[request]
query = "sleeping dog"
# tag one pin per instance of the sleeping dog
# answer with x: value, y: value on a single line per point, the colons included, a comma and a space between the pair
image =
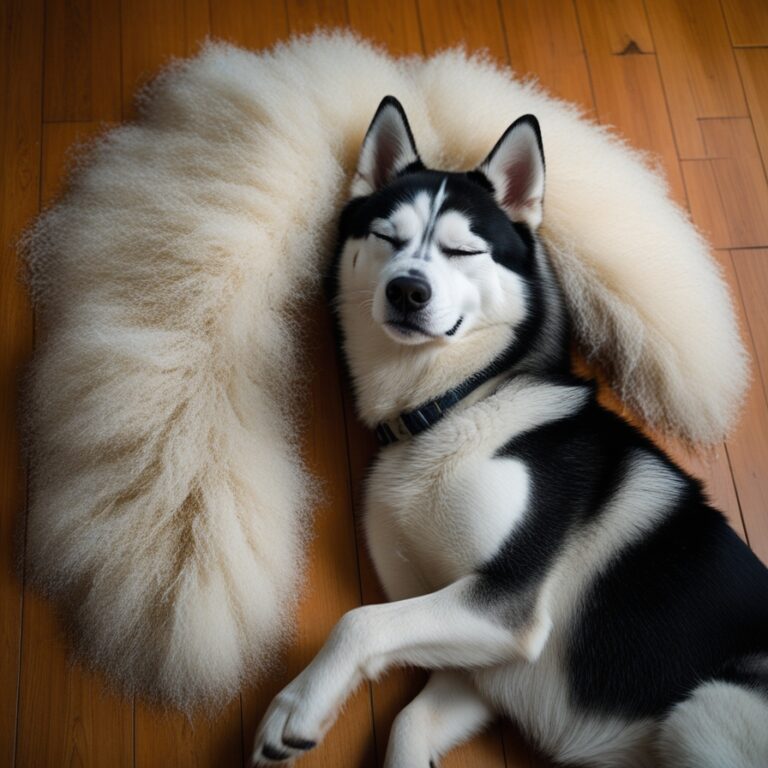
x: 544, y: 559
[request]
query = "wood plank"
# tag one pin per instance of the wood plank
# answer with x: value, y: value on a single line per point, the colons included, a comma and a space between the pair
x: 618, y: 27
x: 67, y: 715
x: 332, y: 582
x: 697, y: 67
x: 153, y: 33
x: 752, y: 273
x: 753, y: 67
x: 543, y: 40
x: 475, y: 25
x: 748, y: 446
x: 728, y: 193
x: 626, y: 82
x: 307, y: 15
x: 252, y: 25
x: 82, y: 60
x: 86, y: 723
x: 747, y: 21
x: 170, y: 740
x: 21, y: 84
x: 395, y: 24
x: 706, y: 204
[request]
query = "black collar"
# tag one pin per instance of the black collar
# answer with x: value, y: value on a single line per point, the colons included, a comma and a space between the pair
x: 411, y: 423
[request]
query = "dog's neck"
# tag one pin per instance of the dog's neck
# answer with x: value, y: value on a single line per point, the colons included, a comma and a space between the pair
x: 411, y: 423
x: 391, y: 379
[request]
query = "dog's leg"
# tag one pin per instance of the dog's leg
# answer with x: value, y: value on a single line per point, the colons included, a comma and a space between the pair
x: 454, y: 627
x: 447, y: 712
x: 719, y: 724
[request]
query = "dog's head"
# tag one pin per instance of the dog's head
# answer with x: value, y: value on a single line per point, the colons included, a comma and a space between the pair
x: 437, y: 272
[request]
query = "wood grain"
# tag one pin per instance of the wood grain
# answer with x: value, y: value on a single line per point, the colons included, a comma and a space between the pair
x: 753, y: 286
x: 697, y: 67
x: 305, y: 16
x: 753, y: 67
x: 21, y: 76
x: 747, y: 21
x: 82, y: 61
x: 626, y: 82
x: 171, y: 740
x: 617, y: 27
x: 664, y: 72
x: 476, y: 26
x: 253, y: 25
x: 153, y: 33
x: 748, y: 446
x: 727, y: 192
x: 395, y: 24
x: 84, y: 722
x: 544, y: 41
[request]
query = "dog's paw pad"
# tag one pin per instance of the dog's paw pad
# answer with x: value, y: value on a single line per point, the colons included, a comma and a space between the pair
x: 273, y: 753
x: 297, y: 743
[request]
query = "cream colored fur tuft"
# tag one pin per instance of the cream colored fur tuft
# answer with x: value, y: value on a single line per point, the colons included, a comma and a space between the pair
x: 168, y: 500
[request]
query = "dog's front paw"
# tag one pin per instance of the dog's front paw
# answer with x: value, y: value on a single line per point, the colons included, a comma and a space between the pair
x: 296, y: 721
x: 284, y: 733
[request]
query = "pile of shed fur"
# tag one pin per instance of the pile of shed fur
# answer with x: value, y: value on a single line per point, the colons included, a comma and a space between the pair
x: 169, y: 502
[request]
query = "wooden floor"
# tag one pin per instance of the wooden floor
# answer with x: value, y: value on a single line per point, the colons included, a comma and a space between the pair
x: 686, y: 80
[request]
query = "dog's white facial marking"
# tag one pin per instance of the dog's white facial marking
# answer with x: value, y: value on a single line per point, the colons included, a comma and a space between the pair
x: 426, y: 238
x: 426, y: 250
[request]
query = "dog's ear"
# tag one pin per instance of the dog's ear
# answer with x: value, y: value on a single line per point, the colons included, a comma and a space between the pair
x: 515, y: 168
x: 388, y: 148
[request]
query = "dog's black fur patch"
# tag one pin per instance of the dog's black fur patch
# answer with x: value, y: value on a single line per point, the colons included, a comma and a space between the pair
x: 675, y: 609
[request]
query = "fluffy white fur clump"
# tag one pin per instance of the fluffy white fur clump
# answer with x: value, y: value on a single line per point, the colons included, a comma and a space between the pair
x: 169, y: 502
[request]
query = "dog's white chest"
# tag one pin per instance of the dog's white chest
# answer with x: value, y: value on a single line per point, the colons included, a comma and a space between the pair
x: 432, y: 517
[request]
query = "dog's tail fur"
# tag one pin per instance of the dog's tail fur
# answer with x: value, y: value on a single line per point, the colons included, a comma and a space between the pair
x: 168, y: 498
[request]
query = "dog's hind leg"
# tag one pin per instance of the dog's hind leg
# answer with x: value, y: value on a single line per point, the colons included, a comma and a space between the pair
x: 721, y: 725
x: 458, y: 626
x: 447, y: 712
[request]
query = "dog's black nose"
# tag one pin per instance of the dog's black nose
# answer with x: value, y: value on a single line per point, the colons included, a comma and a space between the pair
x: 408, y: 294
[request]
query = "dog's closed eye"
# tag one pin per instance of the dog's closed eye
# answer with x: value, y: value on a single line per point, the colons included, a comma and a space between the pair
x: 395, y: 242
x: 460, y: 251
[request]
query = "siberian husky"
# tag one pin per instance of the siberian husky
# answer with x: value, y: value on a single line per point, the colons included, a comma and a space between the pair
x: 543, y: 557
